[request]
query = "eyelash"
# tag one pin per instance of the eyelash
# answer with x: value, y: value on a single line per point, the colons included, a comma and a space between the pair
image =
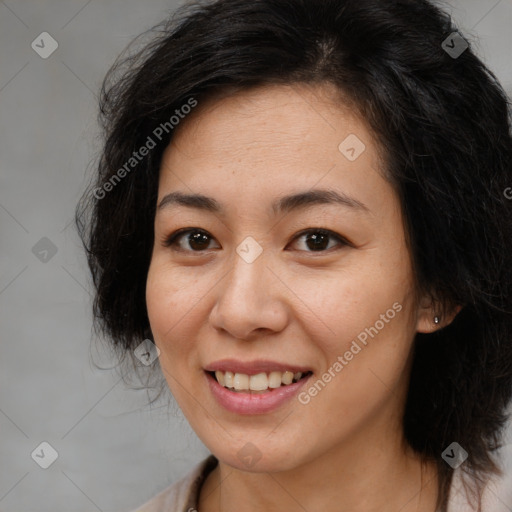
x: 171, y: 240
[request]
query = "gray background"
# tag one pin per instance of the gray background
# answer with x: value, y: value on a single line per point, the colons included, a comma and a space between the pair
x: 114, y: 451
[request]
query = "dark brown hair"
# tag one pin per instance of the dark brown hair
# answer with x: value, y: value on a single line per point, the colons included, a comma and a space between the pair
x: 444, y: 124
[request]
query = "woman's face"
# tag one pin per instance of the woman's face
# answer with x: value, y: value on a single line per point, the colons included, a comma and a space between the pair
x: 252, y: 294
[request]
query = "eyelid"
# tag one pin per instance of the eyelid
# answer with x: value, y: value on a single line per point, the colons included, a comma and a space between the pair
x: 342, y: 240
x: 169, y: 240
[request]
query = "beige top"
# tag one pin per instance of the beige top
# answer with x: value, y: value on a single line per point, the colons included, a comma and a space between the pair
x: 183, y: 495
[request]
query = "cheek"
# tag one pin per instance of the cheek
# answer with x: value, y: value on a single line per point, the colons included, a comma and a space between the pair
x: 175, y: 300
x: 341, y: 306
x: 171, y: 295
x: 369, y: 355
x: 158, y: 301
x: 167, y: 303
x: 169, y: 307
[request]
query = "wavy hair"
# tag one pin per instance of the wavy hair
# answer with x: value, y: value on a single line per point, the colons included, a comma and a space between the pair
x: 443, y: 124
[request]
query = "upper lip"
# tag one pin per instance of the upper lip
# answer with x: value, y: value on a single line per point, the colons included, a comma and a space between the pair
x: 253, y: 367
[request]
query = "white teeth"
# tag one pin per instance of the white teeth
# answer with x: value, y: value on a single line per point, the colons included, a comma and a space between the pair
x: 274, y: 380
x: 220, y: 377
x: 287, y: 378
x: 260, y: 382
x: 241, y: 381
x: 228, y: 380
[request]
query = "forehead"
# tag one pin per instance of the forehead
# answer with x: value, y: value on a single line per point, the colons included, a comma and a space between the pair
x: 293, y: 117
x: 272, y: 139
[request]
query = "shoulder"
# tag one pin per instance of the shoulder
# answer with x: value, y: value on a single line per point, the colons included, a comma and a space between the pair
x: 183, y: 494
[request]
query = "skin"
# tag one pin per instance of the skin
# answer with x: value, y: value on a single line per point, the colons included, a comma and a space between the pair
x: 344, y: 450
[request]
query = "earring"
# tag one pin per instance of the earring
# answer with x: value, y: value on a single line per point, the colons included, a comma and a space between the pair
x: 437, y: 320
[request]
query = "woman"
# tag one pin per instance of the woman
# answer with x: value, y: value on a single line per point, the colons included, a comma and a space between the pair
x: 302, y: 204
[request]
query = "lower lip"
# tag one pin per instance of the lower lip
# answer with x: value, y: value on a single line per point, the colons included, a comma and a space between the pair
x: 258, y: 403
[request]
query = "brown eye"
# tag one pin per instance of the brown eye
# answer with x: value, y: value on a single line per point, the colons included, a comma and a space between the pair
x: 317, y: 240
x: 196, y: 241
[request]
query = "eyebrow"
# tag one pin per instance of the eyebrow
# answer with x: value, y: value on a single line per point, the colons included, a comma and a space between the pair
x: 283, y: 204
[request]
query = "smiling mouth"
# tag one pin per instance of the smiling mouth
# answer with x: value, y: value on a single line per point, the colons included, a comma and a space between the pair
x: 259, y: 383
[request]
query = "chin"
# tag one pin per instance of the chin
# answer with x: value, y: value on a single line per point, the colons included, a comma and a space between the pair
x: 247, y: 457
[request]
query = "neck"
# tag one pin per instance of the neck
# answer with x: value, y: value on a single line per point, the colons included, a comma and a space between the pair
x: 348, y: 478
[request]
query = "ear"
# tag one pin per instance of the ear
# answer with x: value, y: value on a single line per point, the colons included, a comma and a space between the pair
x: 428, y: 310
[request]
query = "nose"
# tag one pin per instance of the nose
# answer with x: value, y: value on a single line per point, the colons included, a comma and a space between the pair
x: 250, y: 301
